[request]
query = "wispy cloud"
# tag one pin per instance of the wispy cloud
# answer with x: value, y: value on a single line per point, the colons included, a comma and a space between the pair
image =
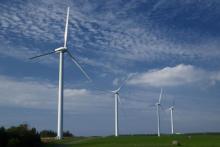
x: 175, y: 76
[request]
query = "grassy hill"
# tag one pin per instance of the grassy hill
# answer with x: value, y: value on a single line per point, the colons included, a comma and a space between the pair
x: 212, y: 140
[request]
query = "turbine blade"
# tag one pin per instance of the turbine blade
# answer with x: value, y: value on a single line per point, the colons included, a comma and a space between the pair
x: 119, y: 99
x: 162, y: 108
x: 174, y: 102
x: 151, y: 106
x: 66, y: 27
x: 121, y: 86
x: 161, y: 92
x: 78, y: 65
x: 42, y: 55
x: 167, y: 110
x: 123, y: 83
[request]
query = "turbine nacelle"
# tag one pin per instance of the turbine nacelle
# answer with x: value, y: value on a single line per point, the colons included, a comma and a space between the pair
x: 171, y: 108
x: 157, y: 104
x: 60, y: 49
x: 116, y: 91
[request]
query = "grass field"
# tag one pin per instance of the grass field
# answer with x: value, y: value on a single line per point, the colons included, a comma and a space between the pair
x: 138, y: 141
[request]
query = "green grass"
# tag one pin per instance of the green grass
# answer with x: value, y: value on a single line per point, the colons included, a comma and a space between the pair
x: 138, y: 141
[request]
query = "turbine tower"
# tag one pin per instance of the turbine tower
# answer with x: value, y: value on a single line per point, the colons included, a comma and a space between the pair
x: 158, y: 105
x: 62, y: 50
x: 171, y: 118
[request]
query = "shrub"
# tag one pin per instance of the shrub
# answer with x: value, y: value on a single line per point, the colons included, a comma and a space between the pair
x: 48, y: 133
x: 67, y: 134
x: 20, y: 136
x: 14, y: 142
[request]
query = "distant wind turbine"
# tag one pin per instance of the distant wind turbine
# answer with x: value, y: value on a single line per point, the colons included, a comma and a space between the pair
x: 171, y: 118
x: 61, y: 51
x: 158, y: 104
x: 116, y: 93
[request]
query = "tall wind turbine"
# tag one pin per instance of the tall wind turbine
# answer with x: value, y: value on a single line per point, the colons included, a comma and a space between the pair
x: 171, y: 118
x: 61, y: 51
x: 117, y: 99
x: 158, y: 112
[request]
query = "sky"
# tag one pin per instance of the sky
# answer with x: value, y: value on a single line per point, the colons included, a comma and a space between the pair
x: 146, y: 44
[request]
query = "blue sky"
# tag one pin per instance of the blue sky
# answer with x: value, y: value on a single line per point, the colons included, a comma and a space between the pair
x: 157, y: 43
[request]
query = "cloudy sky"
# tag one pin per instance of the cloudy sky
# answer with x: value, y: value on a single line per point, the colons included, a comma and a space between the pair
x: 155, y: 44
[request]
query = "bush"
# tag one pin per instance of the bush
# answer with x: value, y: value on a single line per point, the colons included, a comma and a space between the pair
x: 48, y: 133
x: 20, y: 136
x: 14, y: 142
x: 67, y: 134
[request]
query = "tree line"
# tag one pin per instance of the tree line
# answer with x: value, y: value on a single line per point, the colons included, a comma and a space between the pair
x: 25, y: 136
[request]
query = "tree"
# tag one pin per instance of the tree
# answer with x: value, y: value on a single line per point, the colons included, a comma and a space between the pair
x: 48, y: 133
x: 3, y: 137
x: 20, y: 136
x: 67, y: 134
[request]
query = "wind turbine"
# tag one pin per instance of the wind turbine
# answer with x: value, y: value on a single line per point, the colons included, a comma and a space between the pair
x: 171, y: 118
x: 116, y: 93
x: 62, y: 50
x: 158, y: 113
x: 117, y: 99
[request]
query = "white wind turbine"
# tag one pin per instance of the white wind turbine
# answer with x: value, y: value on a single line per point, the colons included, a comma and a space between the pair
x: 61, y: 51
x: 171, y: 118
x: 117, y: 99
x: 158, y: 104
x: 116, y: 93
